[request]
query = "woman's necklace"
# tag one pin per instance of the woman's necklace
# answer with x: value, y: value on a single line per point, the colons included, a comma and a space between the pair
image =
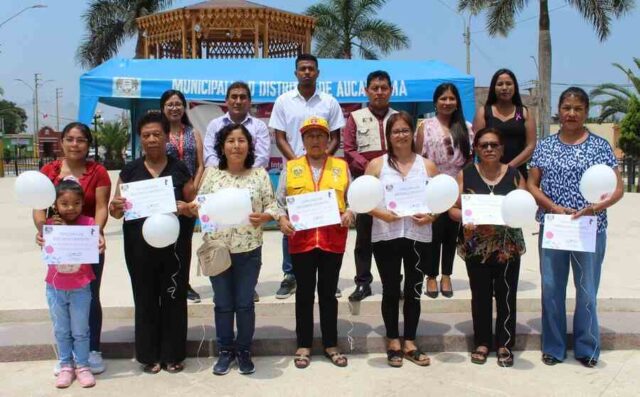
x: 487, y: 181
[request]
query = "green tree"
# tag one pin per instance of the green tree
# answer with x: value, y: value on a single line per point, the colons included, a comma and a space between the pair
x: 14, y: 117
x: 629, y: 140
x: 342, y: 25
x: 501, y: 18
x: 109, y: 23
x: 614, y: 98
x: 113, y: 136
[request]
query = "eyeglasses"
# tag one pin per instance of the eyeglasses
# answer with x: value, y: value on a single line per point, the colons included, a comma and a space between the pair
x: 403, y: 131
x: 70, y: 140
x: 487, y: 145
x: 177, y: 105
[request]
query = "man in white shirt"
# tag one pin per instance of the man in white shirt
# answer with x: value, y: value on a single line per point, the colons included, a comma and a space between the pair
x: 238, y: 101
x: 290, y: 110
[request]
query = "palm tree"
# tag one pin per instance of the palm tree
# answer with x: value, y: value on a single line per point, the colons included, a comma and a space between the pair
x: 109, y: 23
x: 616, y: 97
x: 342, y: 25
x: 501, y: 19
x: 114, y: 138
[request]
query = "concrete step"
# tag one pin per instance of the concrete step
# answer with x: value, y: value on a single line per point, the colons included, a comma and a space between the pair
x: 275, y: 335
x: 271, y: 307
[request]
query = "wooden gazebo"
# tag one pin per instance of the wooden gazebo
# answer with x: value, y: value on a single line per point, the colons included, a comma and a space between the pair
x: 225, y: 29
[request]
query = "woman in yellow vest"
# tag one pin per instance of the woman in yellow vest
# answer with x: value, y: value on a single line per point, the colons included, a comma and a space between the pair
x: 316, y: 252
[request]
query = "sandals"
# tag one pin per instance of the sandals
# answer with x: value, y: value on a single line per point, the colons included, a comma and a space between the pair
x: 174, y: 368
x: 338, y: 359
x: 505, y: 358
x: 152, y: 368
x: 301, y: 361
x: 417, y: 357
x: 394, y: 358
x: 479, y: 356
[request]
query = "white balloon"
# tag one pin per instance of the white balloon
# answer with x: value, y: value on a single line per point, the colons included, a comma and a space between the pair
x: 519, y: 209
x: 365, y: 193
x: 161, y: 230
x: 598, y: 182
x: 34, y: 190
x: 229, y: 206
x: 442, y: 193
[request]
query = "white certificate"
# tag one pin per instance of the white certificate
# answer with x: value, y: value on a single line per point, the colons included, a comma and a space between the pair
x: 208, y: 225
x: 408, y: 197
x: 150, y: 197
x: 563, y: 233
x: 482, y: 209
x: 311, y: 210
x: 70, y: 245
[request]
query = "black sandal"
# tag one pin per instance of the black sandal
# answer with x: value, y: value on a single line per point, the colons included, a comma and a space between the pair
x: 479, y: 356
x: 301, y: 361
x: 152, y: 368
x: 548, y: 359
x: 415, y: 355
x: 505, y: 358
x: 174, y: 368
x: 338, y: 359
x: 394, y: 358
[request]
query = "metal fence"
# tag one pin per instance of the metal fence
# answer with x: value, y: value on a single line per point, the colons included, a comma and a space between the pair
x: 16, y: 166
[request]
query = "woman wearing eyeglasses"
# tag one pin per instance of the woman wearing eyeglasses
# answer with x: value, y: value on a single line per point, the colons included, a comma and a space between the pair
x: 446, y: 140
x: 399, y: 241
x: 491, y: 253
x: 93, y: 177
x: 185, y: 144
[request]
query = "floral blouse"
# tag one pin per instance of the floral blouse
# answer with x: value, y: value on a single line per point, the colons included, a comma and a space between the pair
x: 438, y: 147
x: 490, y: 242
x: 243, y: 238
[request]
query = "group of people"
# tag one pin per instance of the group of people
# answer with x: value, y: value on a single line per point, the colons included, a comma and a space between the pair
x: 489, y: 156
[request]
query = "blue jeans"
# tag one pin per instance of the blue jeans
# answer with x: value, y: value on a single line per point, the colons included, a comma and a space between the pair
x: 233, y: 297
x: 69, y: 312
x: 287, y: 267
x: 554, y: 268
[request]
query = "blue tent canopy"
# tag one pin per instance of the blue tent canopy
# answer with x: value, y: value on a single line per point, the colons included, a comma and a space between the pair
x: 137, y: 84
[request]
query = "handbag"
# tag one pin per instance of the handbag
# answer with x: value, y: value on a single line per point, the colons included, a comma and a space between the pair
x: 213, y: 257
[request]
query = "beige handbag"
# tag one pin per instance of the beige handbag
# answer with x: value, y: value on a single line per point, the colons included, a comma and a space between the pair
x: 213, y: 258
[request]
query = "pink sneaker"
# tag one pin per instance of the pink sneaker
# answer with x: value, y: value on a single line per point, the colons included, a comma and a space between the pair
x: 65, y: 378
x: 85, y: 377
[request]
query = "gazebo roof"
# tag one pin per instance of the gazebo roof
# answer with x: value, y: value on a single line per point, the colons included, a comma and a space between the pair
x: 225, y: 29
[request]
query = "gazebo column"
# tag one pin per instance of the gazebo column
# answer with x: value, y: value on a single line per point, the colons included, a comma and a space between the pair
x: 265, y: 40
x: 194, y: 54
x: 256, y: 40
x: 183, y: 37
x: 307, y: 42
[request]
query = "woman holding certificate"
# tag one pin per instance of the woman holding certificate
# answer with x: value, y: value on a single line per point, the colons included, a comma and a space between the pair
x: 490, y: 251
x: 397, y: 240
x: 233, y: 288
x: 317, y: 238
x: 556, y: 169
x: 93, y: 177
x: 158, y: 278
x: 446, y: 140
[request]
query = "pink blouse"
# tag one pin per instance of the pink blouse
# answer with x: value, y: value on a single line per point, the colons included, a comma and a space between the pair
x: 438, y: 147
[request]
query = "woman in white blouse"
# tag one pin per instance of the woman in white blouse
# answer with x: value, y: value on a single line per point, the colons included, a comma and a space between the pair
x: 397, y: 240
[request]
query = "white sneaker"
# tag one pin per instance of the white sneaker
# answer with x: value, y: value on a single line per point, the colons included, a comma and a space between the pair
x: 96, y: 364
x: 56, y: 369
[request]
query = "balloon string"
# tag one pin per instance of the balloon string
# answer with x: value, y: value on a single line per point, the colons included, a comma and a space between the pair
x: 172, y: 290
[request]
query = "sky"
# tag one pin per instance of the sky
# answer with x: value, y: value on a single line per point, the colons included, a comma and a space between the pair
x: 44, y: 40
